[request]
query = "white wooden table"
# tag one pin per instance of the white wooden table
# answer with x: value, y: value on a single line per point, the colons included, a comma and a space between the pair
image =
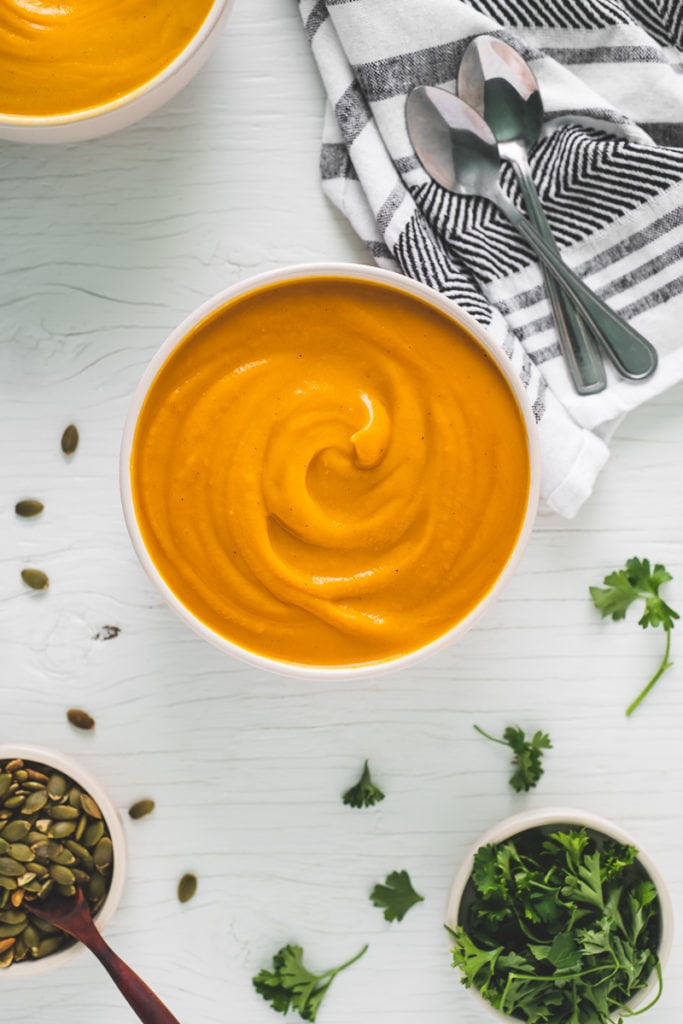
x: 105, y: 247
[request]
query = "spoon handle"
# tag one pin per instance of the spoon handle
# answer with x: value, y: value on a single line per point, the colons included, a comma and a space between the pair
x: 631, y: 353
x: 578, y: 345
x: 140, y: 997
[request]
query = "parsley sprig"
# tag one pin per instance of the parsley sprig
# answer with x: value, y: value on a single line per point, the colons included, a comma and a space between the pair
x: 560, y: 927
x: 396, y: 896
x: 365, y: 793
x: 292, y: 986
x: 528, y: 755
x: 624, y: 586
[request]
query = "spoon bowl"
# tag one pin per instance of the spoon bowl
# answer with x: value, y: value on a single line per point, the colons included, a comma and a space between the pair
x: 496, y: 81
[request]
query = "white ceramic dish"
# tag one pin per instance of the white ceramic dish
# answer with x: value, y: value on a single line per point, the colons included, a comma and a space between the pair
x: 565, y: 816
x: 67, y: 766
x: 351, y: 272
x: 122, y: 112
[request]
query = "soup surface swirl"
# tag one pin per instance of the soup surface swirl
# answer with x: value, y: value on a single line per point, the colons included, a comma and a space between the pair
x: 330, y: 472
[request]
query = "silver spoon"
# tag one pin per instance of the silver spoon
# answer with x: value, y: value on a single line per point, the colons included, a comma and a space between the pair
x: 458, y: 149
x: 499, y: 84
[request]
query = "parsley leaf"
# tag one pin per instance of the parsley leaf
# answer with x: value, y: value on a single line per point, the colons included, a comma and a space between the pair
x: 527, y: 755
x: 580, y: 962
x: 291, y: 986
x: 624, y: 586
x: 397, y: 896
x: 365, y: 793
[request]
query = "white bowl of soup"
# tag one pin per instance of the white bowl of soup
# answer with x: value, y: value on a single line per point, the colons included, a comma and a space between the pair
x: 329, y: 468
x: 72, y: 70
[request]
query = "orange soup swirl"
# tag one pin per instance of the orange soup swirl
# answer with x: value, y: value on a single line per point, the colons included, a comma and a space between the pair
x: 329, y: 472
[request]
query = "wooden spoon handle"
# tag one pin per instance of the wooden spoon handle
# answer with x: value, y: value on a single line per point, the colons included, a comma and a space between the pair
x: 146, y: 1004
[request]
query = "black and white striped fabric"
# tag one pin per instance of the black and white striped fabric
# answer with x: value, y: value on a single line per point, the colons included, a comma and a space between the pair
x: 607, y: 168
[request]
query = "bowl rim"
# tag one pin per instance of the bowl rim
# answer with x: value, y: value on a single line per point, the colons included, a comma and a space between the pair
x: 75, y: 770
x: 212, y: 21
x: 354, y: 272
x: 557, y: 815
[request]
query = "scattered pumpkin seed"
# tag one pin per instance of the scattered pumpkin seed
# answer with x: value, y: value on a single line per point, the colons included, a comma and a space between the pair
x: 141, y: 808
x: 36, y: 579
x: 80, y: 719
x: 29, y: 507
x: 70, y: 440
x: 187, y: 887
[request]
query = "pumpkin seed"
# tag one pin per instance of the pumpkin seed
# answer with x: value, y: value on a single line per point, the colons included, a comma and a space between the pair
x: 56, y: 787
x: 6, y: 944
x: 28, y: 507
x: 187, y: 887
x: 35, y: 578
x: 61, y: 875
x: 62, y: 812
x: 11, y: 868
x: 5, y: 783
x: 61, y: 829
x: 35, y: 802
x: 90, y: 807
x: 104, y: 854
x: 141, y: 808
x: 15, y: 831
x: 93, y: 834
x: 6, y: 959
x: 70, y: 440
x: 21, y: 852
x: 80, y: 719
x: 47, y: 946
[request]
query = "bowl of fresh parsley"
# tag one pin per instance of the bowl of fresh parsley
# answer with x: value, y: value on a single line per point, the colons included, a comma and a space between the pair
x: 558, y: 915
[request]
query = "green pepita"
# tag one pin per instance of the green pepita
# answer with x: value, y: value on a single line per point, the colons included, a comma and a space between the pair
x: 36, y: 579
x: 141, y: 808
x: 15, y: 831
x: 56, y: 787
x: 90, y: 807
x: 62, y: 812
x: 61, y: 875
x: 35, y: 802
x: 11, y: 868
x: 104, y: 854
x: 70, y: 440
x: 28, y: 507
x: 21, y: 852
x: 80, y: 718
x: 187, y: 887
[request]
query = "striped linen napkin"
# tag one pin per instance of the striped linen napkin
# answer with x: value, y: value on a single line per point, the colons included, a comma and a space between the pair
x: 607, y: 169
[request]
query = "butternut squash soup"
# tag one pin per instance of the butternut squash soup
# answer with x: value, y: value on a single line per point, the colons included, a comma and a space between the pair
x: 59, y: 57
x: 329, y: 471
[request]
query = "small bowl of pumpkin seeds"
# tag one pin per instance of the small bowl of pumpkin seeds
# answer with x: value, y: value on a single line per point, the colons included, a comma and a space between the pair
x: 59, y: 830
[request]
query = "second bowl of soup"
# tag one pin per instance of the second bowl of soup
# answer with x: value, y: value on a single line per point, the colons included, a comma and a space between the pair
x: 329, y: 468
x: 77, y: 70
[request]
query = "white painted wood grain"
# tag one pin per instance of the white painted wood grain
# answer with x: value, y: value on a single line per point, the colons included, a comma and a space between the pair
x: 106, y: 246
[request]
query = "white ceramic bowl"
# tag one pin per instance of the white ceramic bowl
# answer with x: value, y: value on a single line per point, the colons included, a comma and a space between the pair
x: 355, y: 273
x: 126, y: 110
x: 556, y: 816
x: 80, y: 775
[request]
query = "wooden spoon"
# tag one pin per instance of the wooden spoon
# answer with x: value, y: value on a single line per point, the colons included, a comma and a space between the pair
x: 72, y: 915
